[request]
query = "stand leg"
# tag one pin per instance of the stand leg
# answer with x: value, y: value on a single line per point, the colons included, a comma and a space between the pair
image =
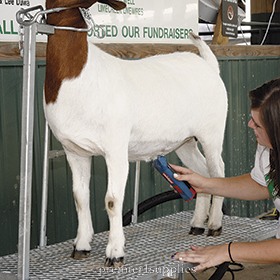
x: 43, y: 235
x: 182, y: 276
x: 136, y: 194
x: 26, y: 150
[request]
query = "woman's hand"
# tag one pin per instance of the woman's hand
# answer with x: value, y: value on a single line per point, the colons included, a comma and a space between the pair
x: 240, y: 187
x: 197, y: 181
x: 206, y: 256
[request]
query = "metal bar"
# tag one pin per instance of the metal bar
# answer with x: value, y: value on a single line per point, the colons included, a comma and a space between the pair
x: 261, y: 23
x: 26, y: 150
x: 56, y: 153
x: 136, y: 194
x: 252, y: 30
x: 183, y: 276
x: 43, y: 235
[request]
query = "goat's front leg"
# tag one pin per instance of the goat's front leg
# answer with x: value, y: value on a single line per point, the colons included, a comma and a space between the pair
x: 80, y: 167
x: 117, y: 176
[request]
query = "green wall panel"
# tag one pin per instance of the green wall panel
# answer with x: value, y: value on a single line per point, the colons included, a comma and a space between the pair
x: 10, y: 104
x: 239, y: 75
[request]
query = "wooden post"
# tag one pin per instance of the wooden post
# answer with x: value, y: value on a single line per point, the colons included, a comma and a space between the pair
x: 264, y: 7
x: 260, y: 12
x: 218, y: 38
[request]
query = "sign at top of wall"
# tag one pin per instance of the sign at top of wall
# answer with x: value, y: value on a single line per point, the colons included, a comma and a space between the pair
x: 142, y: 21
x: 229, y: 18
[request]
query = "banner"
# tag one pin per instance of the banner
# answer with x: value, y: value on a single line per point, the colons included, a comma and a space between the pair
x: 142, y: 21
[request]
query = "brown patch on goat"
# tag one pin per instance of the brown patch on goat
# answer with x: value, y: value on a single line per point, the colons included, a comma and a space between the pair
x: 110, y: 205
x: 67, y: 50
x: 65, y: 58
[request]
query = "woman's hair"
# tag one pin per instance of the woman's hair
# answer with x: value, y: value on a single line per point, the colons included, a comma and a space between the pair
x: 266, y: 99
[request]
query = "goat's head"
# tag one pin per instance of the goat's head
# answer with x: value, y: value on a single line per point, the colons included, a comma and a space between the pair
x: 115, y: 4
x: 72, y: 17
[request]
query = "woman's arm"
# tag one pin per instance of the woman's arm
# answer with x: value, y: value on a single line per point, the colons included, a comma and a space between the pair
x: 249, y: 252
x: 240, y: 187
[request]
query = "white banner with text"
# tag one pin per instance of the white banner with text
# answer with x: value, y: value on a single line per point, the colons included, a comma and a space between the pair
x: 142, y: 21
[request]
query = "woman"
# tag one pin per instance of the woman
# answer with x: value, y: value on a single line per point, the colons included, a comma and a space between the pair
x: 263, y: 182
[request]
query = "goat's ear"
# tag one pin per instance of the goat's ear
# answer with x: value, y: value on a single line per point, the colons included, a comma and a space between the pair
x: 117, y: 5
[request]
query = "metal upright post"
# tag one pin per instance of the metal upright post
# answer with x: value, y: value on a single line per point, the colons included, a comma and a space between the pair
x: 136, y: 194
x: 26, y: 150
x: 43, y: 236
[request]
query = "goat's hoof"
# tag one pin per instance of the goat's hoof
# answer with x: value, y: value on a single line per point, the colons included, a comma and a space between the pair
x: 215, y: 232
x: 79, y: 254
x: 115, y: 262
x: 196, y: 231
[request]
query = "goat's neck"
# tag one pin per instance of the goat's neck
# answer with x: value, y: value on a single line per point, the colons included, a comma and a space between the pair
x: 66, y: 52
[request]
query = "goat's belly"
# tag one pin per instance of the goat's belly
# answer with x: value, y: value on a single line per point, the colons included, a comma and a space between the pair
x: 146, y: 151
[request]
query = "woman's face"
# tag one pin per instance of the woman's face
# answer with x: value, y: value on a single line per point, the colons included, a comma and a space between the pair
x: 259, y: 130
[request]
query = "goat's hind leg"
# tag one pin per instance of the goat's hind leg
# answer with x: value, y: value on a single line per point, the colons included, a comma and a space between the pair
x: 211, y: 166
x: 80, y: 167
x: 193, y: 159
x: 212, y: 150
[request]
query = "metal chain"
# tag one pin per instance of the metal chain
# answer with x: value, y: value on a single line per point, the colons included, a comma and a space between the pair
x: 91, y: 25
x: 21, y: 34
x: 21, y: 39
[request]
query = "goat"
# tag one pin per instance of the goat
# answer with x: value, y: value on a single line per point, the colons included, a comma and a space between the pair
x: 97, y: 104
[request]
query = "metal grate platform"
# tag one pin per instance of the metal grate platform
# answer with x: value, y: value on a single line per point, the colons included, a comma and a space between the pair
x: 149, y: 246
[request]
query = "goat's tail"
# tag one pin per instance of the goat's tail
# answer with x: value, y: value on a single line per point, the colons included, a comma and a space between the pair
x: 205, y: 51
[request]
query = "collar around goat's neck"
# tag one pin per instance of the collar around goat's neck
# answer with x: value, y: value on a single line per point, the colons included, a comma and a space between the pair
x: 87, y: 17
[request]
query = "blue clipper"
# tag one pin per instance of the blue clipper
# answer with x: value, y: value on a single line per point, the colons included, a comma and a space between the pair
x: 182, y: 187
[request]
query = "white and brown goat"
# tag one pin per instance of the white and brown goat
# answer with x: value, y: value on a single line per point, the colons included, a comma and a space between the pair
x: 97, y: 104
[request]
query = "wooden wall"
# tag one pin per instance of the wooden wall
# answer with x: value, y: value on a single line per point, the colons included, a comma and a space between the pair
x: 261, y: 11
x: 10, y: 51
x: 264, y: 6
